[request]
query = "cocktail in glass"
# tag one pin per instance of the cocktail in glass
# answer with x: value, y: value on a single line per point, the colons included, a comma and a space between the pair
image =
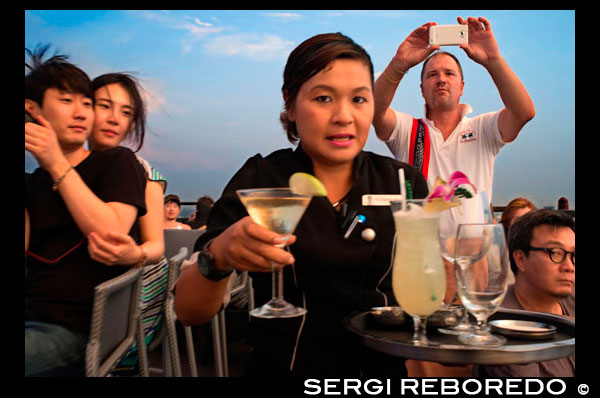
x: 418, y: 274
x: 279, y: 210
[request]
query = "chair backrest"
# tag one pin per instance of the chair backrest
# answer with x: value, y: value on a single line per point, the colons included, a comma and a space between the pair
x: 174, y: 265
x: 114, y: 320
x: 178, y: 238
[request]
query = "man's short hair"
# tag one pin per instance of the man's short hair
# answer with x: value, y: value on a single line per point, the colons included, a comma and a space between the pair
x: 521, y: 232
x: 435, y: 54
x: 55, y: 72
x: 172, y: 198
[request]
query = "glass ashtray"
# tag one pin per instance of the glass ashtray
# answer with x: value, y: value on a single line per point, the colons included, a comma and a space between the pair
x: 396, y: 316
x: 389, y: 316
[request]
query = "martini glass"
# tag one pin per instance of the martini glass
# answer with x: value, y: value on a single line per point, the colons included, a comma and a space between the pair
x: 279, y: 210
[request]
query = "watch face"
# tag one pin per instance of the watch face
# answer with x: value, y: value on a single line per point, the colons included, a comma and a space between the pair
x: 207, y: 267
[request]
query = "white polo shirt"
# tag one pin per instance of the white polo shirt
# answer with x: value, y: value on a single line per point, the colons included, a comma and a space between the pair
x: 471, y: 148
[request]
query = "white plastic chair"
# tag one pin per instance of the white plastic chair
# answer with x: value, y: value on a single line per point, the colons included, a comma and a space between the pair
x: 219, y: 328
x: 116, y: 324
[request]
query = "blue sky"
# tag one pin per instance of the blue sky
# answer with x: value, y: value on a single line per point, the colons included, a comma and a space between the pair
x: 213, y: 83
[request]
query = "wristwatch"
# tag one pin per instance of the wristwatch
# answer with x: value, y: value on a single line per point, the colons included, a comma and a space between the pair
x: 206, y: 265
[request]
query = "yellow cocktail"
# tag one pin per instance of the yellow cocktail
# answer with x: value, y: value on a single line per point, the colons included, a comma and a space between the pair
x: 418, y: 275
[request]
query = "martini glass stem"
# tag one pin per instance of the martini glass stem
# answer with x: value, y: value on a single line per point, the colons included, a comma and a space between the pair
x: 277, y: 281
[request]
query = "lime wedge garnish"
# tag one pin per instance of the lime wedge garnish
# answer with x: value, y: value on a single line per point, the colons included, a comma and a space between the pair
x: 438, y: 204
x: 306, y: 184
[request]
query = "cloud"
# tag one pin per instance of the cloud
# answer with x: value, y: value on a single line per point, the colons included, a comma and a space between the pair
x: 197, y: 28
x: 251, y: 45
x: 198, y: 22
x: 286, y: 16
x: 123, y: 39
x: 256, y: 46
x: 194, y: 27
x: 152, y: 95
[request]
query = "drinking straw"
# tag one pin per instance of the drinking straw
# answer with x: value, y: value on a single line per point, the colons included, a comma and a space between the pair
x: 402, y: 188
x: 409, y: 194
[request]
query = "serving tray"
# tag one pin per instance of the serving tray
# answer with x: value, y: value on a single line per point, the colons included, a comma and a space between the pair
x: 395, y: 340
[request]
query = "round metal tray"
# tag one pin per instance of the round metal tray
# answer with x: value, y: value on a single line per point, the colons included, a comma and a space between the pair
x: 395, y: 340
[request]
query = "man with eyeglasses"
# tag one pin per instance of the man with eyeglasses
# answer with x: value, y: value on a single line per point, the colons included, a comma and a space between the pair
x: 542, y: 257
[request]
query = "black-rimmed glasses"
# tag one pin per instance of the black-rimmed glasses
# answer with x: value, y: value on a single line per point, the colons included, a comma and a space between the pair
x: 557, y: 255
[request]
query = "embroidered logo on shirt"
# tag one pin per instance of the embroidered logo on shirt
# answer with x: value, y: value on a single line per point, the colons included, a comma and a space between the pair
x: 467, y: 136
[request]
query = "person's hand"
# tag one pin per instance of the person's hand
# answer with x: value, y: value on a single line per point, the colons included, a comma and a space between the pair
x: 482, y: 47
x: 115, y: 248
x: 247, y: 246
x: 42, y: 142
x: 415, y: 48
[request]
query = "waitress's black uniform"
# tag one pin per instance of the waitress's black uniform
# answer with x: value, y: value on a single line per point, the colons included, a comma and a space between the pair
x: 332, y: 276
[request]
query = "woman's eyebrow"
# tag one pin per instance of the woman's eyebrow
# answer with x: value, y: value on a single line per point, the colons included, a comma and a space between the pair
x: 111, y: 101
x: 330, y: 88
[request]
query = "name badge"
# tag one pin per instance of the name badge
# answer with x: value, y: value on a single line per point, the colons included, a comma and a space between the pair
x: 379, y: 200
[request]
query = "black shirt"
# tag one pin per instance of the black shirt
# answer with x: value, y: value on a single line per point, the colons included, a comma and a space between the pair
x: 62, y: 292
x: 332, y: 276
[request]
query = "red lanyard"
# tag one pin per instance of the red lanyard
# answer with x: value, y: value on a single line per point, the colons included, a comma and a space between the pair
x: 42, y: 259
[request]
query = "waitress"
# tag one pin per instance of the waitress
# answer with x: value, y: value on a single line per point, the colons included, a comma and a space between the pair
x: 329, y: 106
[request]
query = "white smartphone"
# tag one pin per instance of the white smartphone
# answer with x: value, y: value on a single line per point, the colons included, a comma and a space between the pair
x: 448, y: 35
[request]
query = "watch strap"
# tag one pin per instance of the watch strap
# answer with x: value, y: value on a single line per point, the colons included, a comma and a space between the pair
x: 206, y: 265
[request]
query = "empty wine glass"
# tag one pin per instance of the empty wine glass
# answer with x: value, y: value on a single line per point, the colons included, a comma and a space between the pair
x: 481, y: 277
x: 471, y: 210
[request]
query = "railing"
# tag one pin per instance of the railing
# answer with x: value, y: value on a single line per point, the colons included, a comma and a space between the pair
x: 500, y: 209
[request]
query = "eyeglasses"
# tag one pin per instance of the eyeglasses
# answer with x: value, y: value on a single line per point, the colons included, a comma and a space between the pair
x: 556, y: 254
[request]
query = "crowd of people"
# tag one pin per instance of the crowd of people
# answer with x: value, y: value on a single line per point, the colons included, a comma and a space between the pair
x: 93, y: 213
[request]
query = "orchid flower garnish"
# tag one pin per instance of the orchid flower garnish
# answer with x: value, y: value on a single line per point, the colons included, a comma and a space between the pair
x: 457, y: 186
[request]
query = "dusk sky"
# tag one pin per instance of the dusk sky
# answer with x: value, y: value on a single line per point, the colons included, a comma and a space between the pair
x: 213, y: 83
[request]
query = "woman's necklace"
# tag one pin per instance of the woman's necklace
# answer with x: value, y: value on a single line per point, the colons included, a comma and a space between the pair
x: 336, y: 204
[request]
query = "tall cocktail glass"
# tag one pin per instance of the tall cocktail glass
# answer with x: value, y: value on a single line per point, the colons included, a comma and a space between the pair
x: 418, y: 275
x: 279, y: 210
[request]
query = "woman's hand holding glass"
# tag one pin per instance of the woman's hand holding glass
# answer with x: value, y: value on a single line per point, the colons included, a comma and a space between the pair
x: 246, y: 246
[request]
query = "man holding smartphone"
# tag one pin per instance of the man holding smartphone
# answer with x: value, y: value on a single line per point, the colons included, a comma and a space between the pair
x: 446, y: 140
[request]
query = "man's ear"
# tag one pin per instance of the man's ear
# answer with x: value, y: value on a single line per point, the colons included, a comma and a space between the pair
x: 32, y: 107
x: 520, y: 259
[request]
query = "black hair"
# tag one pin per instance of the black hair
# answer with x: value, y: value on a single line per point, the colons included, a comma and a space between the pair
x: 521, y: 232
x: 131, y: 85
x: 55, y: 72
x: 308, y: 59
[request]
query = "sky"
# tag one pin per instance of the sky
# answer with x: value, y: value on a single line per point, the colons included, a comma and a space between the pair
x: 212, y: 81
